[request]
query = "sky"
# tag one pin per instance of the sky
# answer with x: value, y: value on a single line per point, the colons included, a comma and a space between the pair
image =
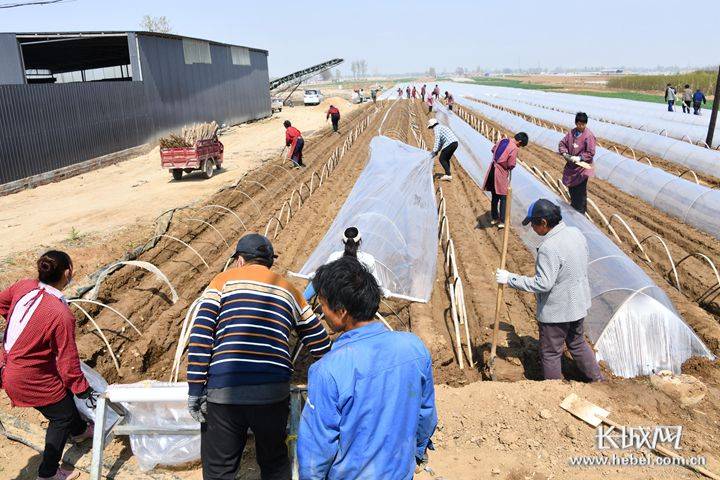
x: 412, y: 36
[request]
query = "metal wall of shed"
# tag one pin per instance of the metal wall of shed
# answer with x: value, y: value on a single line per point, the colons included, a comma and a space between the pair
x: 44, y: 127
x: 11, y: 68
x: 219, y: 91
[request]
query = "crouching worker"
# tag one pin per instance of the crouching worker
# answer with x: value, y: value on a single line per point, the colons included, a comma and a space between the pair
x: 562, y: 290
x: 370, y: 410
x: 39, y: 363
x: 239, y: 363
x: 351, y: 241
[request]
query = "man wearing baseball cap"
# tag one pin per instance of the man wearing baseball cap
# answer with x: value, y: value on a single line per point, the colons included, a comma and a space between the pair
x: 561, y: 288
x: 239, y: 362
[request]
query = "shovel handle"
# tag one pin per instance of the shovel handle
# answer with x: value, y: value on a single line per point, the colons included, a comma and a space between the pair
x: 501, y: 288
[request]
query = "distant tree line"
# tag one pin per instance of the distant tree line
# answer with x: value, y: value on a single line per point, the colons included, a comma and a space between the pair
x: 703, y: 79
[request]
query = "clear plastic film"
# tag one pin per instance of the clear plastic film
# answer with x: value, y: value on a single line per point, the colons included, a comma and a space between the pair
x: 637, y: 115
x: 632, y: 323
x: 393, y: 206
x: 163, y: 406
x: 98, y: 383
x: 686, y: 155
x: 694, y: 204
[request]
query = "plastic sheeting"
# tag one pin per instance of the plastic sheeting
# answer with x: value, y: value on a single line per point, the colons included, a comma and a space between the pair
x: 694, y: 204
x: 633, y: 324
x: 638, y: 115
x: 692, y: 157
x: 393, y: 206
x: 98, y: 383
x: 165, y: 406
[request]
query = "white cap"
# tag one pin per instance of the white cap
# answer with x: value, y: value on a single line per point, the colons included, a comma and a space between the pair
x: 432, y: 122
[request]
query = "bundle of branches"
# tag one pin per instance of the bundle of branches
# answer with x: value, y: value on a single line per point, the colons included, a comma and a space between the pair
x: 189, y: 136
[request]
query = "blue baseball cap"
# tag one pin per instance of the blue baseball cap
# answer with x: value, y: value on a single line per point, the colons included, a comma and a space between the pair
x: 541, y: 208
x: 254, y: 245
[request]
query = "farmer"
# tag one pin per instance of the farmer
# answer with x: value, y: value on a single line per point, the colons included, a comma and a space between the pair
x: 698, y: 100
x: 561, y: 288
x: 670, y: 97
x: 450, y: 101
x: 370, y: 410
x: 351, y: 242
x: 373, y: 94
x: 429, y: 102
x: 436, y: 92
x: 497, y: 179
x: 334, y: 114
x: 414, y: 92
x: 399, y: 90
x: 294, y: 140
x: 445, y: 144
x: 239, y: 363
x: 39, y: 363
x: 577, y: 146
x: 407, y: 91
x: 687, y: 98
x: 423, y: 91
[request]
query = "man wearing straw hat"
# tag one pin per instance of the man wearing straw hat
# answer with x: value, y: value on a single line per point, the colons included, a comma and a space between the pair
x: 561, y: 288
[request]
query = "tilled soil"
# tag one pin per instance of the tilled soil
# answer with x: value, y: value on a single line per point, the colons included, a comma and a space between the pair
x: 698, y: 301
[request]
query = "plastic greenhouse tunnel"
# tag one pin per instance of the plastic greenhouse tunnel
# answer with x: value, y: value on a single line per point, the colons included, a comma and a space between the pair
x: 684, y: 154
x: 634, y: 326
x: 637, y: 115
x: 393, y: 206
x: 694, y: 204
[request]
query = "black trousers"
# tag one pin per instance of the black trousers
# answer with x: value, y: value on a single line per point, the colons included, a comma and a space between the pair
x: 335, y: 119
x: 64, y: 421
x: 498, y: 201
x: 578, y: 196
x: 224, y: 433
x: 445, y: 156
x: 686, y: 106
x: 429, y: 108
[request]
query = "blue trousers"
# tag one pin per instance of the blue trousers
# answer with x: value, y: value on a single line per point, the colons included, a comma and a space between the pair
x: 670, y: 105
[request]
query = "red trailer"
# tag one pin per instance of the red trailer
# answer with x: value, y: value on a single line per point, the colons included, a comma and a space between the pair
x: 206, y: 155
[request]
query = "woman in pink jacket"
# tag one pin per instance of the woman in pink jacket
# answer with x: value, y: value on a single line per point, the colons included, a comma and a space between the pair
x: 576, y: 147
x: 497, y: 178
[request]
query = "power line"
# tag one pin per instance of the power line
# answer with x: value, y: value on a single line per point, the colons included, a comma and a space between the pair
x: 31, y: 3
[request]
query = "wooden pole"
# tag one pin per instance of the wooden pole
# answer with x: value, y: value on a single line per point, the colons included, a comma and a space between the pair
x: 500, y: 289
x: 714, y: 112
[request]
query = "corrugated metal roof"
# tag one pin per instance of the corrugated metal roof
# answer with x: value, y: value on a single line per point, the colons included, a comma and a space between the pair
x: 125, y: 32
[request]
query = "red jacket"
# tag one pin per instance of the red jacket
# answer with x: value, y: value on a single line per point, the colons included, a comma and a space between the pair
x: 291, y: 136
x: 43, y: 364
x: 503, y: 161
x: 332, y: 111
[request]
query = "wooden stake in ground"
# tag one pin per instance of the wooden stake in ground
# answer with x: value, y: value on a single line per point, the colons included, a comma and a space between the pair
x: 595, y: 416
x: 500, y: 288
x: 714, y: 112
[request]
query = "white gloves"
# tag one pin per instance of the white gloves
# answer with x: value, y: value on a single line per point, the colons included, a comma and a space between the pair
x: 502, y: 276
x: 571, y: 158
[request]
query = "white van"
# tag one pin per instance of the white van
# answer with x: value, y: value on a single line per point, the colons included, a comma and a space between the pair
x: 312, y: 97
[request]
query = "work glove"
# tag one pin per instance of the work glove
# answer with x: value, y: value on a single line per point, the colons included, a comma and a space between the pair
x: 88, y: 396
x: 567, y: 157
x: 575, y: 158
x: 197, y: 406
x: 502, y: 276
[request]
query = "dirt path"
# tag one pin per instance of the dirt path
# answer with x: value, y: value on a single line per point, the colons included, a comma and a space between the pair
x: 696, y: 278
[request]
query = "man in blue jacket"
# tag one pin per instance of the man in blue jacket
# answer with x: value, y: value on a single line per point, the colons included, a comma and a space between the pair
x: 698, y: 101
x: 370, y: 411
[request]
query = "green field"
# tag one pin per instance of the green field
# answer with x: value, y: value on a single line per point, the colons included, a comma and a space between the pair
x: 511, y: 83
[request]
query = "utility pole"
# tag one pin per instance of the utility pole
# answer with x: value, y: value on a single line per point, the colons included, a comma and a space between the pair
x: 714, y: 113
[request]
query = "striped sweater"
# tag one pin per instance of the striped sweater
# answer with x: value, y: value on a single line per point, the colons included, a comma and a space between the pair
x: 241, y: 333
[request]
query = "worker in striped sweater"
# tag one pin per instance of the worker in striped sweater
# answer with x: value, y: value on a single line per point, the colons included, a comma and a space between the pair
x: 239, y: 363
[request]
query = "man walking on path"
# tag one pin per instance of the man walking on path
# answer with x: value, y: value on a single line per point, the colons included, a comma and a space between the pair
x: 370, y: 410
x: 562, y: 290
x: 445, y: 143
x: 294, y: 140
x: 239, y: 363
x: 687, y: 98
x: 407, y: 92
x: 698, y: 100
x: 670, y: 97
x: 578, y: 150
x: 429, y: 102
x: 334, y: 114
x: 423, y: 90
x: 436, y: 92
x: 497, y: 178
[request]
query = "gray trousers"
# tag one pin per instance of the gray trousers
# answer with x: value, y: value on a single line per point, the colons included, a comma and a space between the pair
x: 553, y: 337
